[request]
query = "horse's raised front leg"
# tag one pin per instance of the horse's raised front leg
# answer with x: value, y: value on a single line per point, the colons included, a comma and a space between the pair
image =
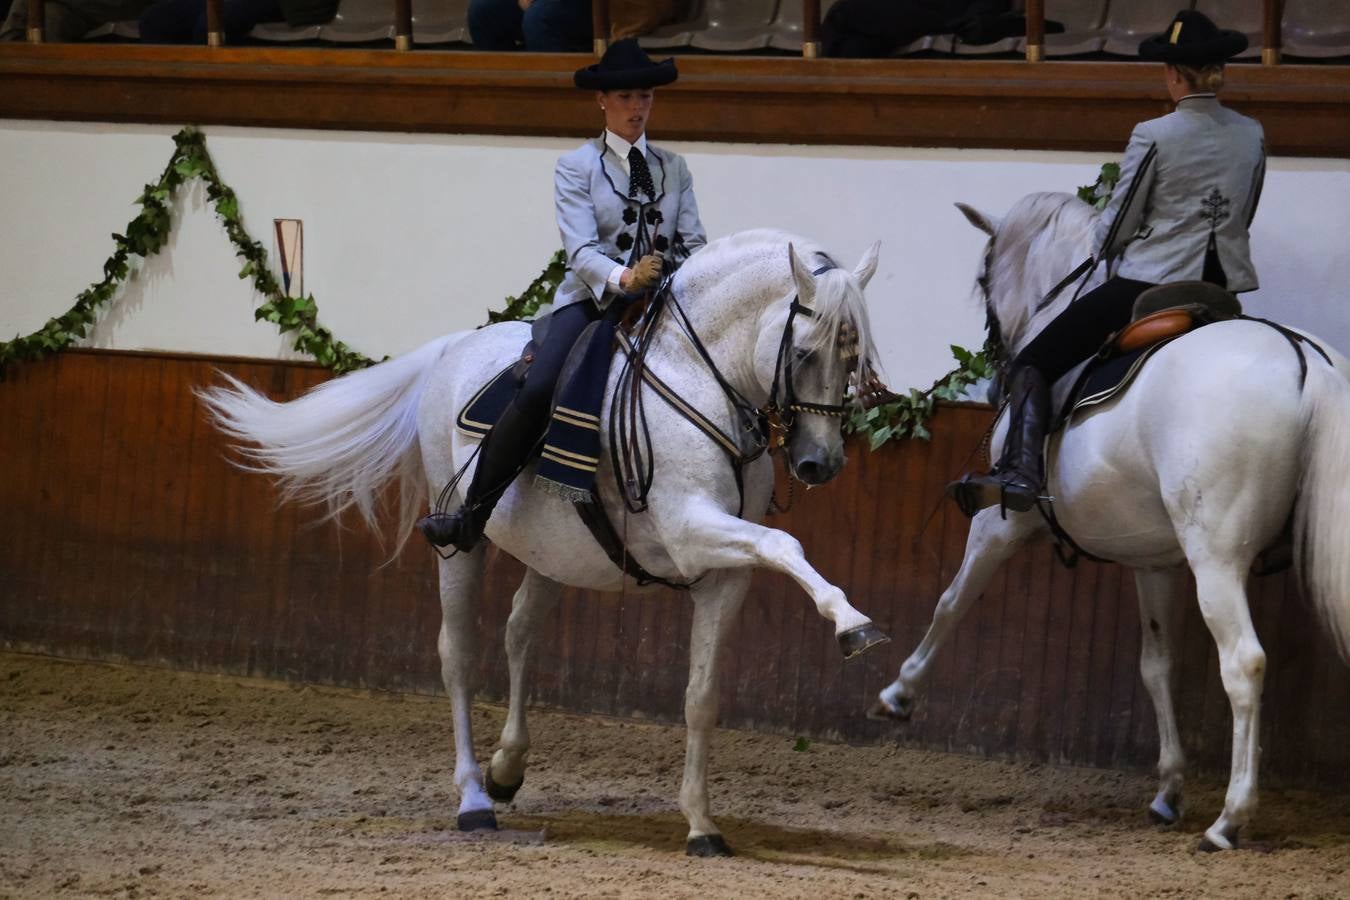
x: 1157, y: 622
x: 713, y: 539
x: 535, y: 599
x: 461, y: 577
x: 717, y: 600
x: 1221, y: 589
x: 991, y: 541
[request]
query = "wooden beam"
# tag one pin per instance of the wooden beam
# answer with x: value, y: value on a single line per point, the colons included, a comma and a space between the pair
x: 600, y: 25
x: 1272, y: 39
x: 37, y: 20
x: 810, y: 27
x: 908, y: 103
x: 403, y: 29
x: 1035, y: 14
x: 215, y: 23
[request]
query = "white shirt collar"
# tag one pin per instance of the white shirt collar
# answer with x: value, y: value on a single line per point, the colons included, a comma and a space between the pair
x: 1200, y: 95
x: 621, y: 147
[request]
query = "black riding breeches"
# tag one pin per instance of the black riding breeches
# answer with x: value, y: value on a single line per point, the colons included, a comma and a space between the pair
x: 565, y: 326
x: 1080, y: 330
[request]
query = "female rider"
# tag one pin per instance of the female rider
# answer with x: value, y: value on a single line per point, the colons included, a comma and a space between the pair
x: 628, y: 216
x: 1189, y: 185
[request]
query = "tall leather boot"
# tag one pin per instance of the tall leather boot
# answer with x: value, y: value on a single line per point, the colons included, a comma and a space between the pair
x: 1017, y: 480
x: 505, y: 451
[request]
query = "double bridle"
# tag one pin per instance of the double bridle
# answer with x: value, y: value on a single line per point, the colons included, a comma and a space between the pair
x: 767, y: 427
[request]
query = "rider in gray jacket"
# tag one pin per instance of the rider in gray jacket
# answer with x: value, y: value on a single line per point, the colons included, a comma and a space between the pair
x: 1188, y: 191
x: 627, y: 215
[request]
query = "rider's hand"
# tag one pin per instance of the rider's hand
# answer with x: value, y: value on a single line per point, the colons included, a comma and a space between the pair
x: 646, y: 274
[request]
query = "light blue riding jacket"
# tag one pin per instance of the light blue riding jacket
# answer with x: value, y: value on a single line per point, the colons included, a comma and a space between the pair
x: 1186, y: 176
x: 602, y: 226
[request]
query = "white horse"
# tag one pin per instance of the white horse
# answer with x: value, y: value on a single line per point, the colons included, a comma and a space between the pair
x: 343, y: 442
x: 1201, y: 462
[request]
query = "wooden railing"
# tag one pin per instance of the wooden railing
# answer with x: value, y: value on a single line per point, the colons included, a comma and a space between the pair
x: 600, y: 21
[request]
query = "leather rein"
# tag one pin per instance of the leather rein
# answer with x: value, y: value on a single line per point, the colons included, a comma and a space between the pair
x: 767, y: 427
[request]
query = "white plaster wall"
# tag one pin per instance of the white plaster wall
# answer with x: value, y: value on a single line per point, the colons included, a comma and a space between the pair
x: 409, y: 236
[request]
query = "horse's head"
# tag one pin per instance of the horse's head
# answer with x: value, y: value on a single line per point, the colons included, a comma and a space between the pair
x: 1029, y: 251
x: 825, y: 340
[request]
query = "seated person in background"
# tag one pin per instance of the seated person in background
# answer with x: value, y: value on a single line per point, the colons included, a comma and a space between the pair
x: 544, y: 26
x: 876, y: 28
x: 184, y: 21
x: 69, y: 20
x: 634, y: 18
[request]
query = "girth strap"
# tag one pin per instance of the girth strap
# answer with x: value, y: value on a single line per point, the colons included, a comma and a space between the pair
x: 602, y: 529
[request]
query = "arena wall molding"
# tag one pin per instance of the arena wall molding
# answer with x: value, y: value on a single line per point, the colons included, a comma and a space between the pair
x: 901, y: 102
x: 127, y: 536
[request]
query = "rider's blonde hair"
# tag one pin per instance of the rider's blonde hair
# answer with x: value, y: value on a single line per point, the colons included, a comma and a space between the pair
x: 1203, y: 78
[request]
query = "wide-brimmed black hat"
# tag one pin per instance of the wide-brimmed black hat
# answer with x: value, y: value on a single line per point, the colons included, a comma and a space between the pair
x: 625, y: 66
x: 1193, y: 40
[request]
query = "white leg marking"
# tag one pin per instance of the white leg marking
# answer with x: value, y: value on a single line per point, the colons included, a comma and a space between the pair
x: 1157, y: 622
x: 1221, y: 589
x: 535, y: 599
x: 991, y: 542
x: 717, y: 600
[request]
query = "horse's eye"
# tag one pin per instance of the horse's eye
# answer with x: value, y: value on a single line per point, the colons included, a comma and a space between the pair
x: 802, y: 354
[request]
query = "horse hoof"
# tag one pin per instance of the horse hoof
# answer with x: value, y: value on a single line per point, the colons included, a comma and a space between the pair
x: 707, y: 845
x: 477, y: 820
x: 861, y: 639
x: 1212, y: 843
x: 502, y: 793
x: 884, y: 712
x: 1160, y: 812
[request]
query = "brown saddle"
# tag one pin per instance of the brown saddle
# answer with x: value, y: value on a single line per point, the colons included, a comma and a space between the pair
x: 1169, y: 310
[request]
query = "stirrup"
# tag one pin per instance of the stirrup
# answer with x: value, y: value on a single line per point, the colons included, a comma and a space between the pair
x: 444, y: 529
x: 973, y: 494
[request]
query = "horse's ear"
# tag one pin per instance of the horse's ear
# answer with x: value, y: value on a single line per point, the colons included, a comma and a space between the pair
x: 983, y: 221
x: 806, y: 282
x: 867, y: 266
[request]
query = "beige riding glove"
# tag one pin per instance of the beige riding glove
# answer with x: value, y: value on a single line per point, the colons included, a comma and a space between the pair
x: 646, y: 274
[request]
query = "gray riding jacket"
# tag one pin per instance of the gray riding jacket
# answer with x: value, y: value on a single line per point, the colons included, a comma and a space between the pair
x: 1187, y: 178
x: 602, y: 226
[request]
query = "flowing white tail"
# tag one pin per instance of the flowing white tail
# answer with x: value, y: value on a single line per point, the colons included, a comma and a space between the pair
x: 1322, y: 521
x: 343, y: 442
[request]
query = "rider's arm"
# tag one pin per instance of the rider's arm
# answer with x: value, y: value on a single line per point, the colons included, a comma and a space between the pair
x: 1258, y: 182
x: 688, y: 228
x: 1124, y: 213
x: 580, y: 237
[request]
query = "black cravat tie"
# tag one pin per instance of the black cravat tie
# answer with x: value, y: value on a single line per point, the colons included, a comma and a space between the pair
x: 639, y: 175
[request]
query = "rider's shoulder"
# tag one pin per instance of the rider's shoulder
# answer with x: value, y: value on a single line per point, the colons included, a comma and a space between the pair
x: 582, y: 157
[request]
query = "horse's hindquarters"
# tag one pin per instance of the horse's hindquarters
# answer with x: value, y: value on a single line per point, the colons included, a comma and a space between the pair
x: 1206, y: 438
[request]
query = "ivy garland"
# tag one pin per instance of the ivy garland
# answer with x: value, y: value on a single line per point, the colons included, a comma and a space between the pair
x: 908, y: 414
x: 904, y: 417
x: 149, y: 231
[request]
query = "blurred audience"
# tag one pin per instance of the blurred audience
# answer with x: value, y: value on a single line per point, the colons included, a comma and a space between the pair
x: 877, y: 28
x: 544, y: 26
x: 69, y: 20
x: 184, y: 21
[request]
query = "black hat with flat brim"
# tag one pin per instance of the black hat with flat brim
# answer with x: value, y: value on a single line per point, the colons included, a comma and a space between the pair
x: 625, y: 67
x: 1193, y: 40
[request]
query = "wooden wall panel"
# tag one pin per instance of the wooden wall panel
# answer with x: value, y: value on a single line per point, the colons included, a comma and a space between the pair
x: 127, y: 535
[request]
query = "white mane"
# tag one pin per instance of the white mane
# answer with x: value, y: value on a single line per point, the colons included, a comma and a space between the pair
x: 762, y: 253
x: 1038, y: 243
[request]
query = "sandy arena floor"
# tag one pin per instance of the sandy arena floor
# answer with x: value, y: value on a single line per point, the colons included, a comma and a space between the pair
x: 134, y: 782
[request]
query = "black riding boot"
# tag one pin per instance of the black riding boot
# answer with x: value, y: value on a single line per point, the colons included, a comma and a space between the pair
x: 504, y: 452
x: 1018, y: 479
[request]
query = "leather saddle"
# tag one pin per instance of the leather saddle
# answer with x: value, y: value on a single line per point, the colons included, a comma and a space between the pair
x: 1161, y: 314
